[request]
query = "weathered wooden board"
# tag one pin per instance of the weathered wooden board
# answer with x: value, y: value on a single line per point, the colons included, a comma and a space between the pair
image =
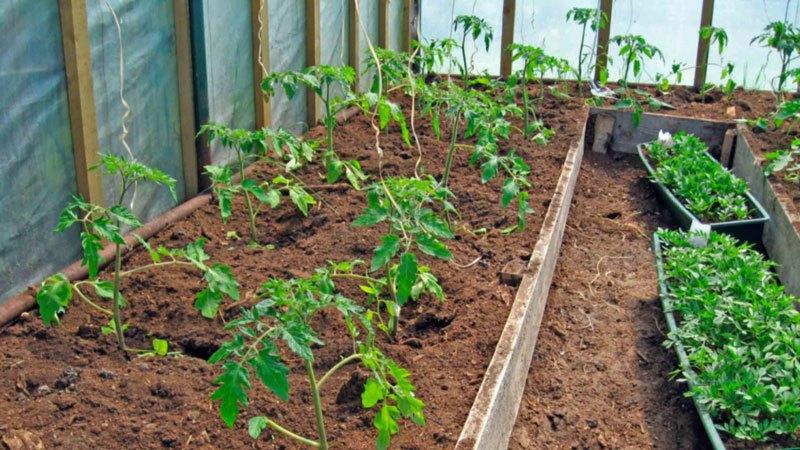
x: 494, y: 411
x: 625, y: 136
x: 780, y: 237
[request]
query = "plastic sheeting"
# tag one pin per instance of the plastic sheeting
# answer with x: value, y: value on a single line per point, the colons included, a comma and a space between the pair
x: 394, y: 23
x: 228, y: 67
x: 151, y: 90
x: 287, y: 51
x: 36, y: 164
x: 369, y: 15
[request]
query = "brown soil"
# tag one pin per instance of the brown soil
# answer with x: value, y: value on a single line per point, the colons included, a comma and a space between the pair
x: 70, y: 388
x: 599, y: 376
x: 788, y: 193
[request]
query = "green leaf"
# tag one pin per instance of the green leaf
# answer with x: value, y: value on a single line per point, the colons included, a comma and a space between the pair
x: 370, y: 217
x: 227, y: 349
x: 489, y: 169
x: 386, y: 424
x: 301, y: 198
x: 207, y: 302
x: 435, y: 225
x: 104, y: 288
x: 272, y: 373
x: 125, y: 216
x: 92, y: 246
x: 373, y: 393
x: 53, y: 298
x: 160, y: 347
x: 335, y: 169
x: 296, y: 338
x: 220, y: 279
x: 385, y: 252
x: 256, y: 426
x: 510, y: 191
x: 406, y: 276
x: 232, y: 391
x: 433, y: 247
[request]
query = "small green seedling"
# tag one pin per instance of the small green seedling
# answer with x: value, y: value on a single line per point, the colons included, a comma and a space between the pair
x: 784, y: 38
x: 475, y: 27
x: 432, y: 53
x: 407, y: 205
x: 323, y: 81
x: 594, y: 19
x: 100, y: 224
x: 285, y: 315
x: 534, y: 61
x: 288, y: 152
x: 634, y: 50
x: 785, y: 161
x: 720, y: 37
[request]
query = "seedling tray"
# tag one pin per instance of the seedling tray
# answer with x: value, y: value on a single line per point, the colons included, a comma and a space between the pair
x: 683, y: 358
x: 748, y: 230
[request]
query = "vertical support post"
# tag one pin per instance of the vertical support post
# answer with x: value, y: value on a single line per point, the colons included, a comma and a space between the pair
x: 507, y: 38
x: 354, y: 50
x: 603, y: 35
x: 183, y: 52
x: 701, y: 63
x: 312, y: 56
x: 259, y: 13
x: 407, y: 26
x: 383, y: 23
x: 80, y: 95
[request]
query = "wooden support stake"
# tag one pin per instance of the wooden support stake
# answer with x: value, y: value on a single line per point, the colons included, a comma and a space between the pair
x: 726, y: 151
x: 603, y: 35
x: 383, y: 23
x: 509, y: 14
x: 312, y: 57
x: 701, y: 63
x: 183, y: 52
x: 352, y: 42
x: 80, y: 95
x: 408, y: 28
x: 259, y: 13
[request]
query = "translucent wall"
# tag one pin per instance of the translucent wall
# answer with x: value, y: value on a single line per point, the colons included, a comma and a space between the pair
x: 335, y: 29
x: 755, y: 67
x: 369, y: 15
x: 151, y: 90
x: 227, y: 78
x: 287, y: 51
x: 437, y: 23
x: 36, y: 164
x: 395, y: 20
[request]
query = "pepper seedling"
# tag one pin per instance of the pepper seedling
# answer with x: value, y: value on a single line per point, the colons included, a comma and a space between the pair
x: 100, y: 224
x: 323, y: 81
x: 285, y: 314
x: 288, y: 152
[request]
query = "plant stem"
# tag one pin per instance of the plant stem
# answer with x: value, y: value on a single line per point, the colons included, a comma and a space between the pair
x: 86, y: 299
x: 449, y: 161
x: 580, y: 59
x: 525, y: 101
x: 250, y: 213
x: 356, y: 276
x: 115, y: 311
x: 336, y: 367
x: 465, y: 74
x: 323, y: 439
x: 275, y: 426
x: 126, y: 273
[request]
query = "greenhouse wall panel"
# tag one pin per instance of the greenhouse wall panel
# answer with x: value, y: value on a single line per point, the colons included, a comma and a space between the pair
x: 37, y: 172
x: 287, y: 49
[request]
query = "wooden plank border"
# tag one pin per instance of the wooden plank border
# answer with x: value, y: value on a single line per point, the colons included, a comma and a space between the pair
x: 603, y: 36
x: 701, y: 62
x: 493, y: 414
x: 80, y: 96
x: 507, y: 37
x: 312, y: 57
x: 183, y: 54
x: 259, y: 13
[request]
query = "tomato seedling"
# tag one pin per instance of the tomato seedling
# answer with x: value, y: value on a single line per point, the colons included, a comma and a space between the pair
x: 784, y: 38
x: 99, y: 225
x: 596, y: 20
x: 285, y: 314
x: 475, y: 27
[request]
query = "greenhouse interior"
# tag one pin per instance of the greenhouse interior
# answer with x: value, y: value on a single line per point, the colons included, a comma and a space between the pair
x: 409, y: 224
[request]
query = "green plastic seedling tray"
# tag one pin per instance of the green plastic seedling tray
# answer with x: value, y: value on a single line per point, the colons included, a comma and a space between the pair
x: 748, y: 230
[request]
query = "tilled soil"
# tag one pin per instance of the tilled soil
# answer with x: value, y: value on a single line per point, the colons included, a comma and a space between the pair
x: 599, y: 376
x: 68, y: 387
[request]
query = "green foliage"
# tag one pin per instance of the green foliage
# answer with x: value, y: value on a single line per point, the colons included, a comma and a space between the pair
x: 785, y: 161
x: 634, y: 49
x: 388, y: 112
x: 285, y: 314
x: 286, y: 151
x: 707, y: 189
x: 741, y: 333
x: 474, y: 27
x: 784, y: 38
x: 535, y: 64
x: 394, y: 68
x: 718, y: 36
x: 324, y: 81
x: 595, y: 19
x: 431, y: 53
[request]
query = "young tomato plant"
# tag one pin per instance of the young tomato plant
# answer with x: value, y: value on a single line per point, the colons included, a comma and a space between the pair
x: 785, y: 161
x: 285, y: 314
x: 323, y: 81
x: 475, y: 27
x: 717, y: 35
x: 634, y: 49
x: 432, y: 53
x: 288, y: 152
x: 594, y: 19
x: 100, y: 224
x: 532, y: 58
x: 784, y: 38
x: 407, y: 205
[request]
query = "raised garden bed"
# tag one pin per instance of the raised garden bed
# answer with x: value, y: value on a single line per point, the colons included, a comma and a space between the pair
x: 56, y: 379
x: 748, y: 229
